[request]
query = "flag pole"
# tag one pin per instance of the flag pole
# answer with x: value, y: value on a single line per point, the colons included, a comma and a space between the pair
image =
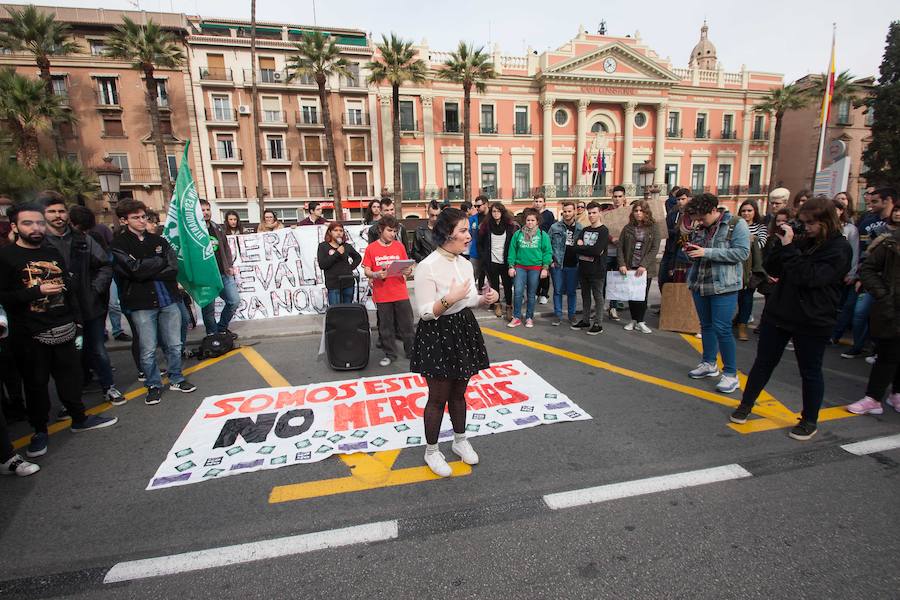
x: 826, y: 102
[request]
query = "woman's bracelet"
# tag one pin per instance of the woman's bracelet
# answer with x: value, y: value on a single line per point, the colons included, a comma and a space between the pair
x: 444, y: 303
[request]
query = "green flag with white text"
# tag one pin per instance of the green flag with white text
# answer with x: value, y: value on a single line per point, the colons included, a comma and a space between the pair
x: 198, y: 272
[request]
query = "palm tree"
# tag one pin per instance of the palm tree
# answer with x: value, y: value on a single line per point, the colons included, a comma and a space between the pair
x: 398, y: 65
x: 319, y: 57
x: 27, y: 109
x: 16, y: 181
x: 148, y: 48
x: 30, y: 30
x: 470, y: 67
x: 68, y: 178
x: 779, y: 101
x: 845, y: 88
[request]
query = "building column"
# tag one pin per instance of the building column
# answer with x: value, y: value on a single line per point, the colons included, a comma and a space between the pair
x: 387, y: 141
x: 628, y: 146
x: 547, y: 142
x: 581, y: 141
x: 428, y: 123
x: 659, y: 149
x: 745, y: 147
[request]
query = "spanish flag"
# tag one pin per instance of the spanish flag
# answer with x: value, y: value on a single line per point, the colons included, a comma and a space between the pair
x: 826, y: 102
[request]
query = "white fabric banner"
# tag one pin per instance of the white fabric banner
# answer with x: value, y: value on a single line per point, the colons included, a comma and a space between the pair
x: 626, y: 287
x: 275, y: 427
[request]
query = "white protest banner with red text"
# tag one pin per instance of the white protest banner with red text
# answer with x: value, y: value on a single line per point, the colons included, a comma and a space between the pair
x: 275, y: 427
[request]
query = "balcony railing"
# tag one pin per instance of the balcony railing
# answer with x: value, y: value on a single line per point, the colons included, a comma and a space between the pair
x: 274, y: 117
x: 280, y: 191
x: 522, y: 130
x: 675, y: 133
x: 62, y: 98
x: 451, y: 193
x: 358, y: 155
x: 701, y: 134
x: 140, y: 175
x: 312, y: 155
x: 409, y: 126
x: 283, y: 155
x: 488, y: 128
x: 225, y: 153
x: 221, y: 115
x: 106, y: 99
x: 492, y: 192
x: 452, y: 127
x: 353, y: 83
x: 759, y: 136
x: 360, y: 191
x: 231, y: 191
x: 409, y: 195
x: 729, y: 135
x: 355, y: 119
x: 215, y: 74
x: 266, y: 76
x: 307, y: 119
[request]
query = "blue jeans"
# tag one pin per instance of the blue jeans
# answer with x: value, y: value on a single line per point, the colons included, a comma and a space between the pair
x: 525, y: 278
x: 342, y: 296
x: 861, y: 321
x: 115, y: 310
x: 715, y: 313
x: 95, y: 351
x: 848, y: 306
x: 185, y: 319
x: 232, y: 298
x: 166, y: 321
x: 745, y: 305
x: 565, y: 280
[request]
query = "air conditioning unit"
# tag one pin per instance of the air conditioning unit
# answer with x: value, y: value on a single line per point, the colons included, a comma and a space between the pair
x: 276, y: 76
x: 244, y: 109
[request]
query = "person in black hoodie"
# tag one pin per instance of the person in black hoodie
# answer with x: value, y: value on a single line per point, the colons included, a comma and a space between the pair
x: 494, y: 235
x: 147, y: 268
x: 802, y: 307
x: 338, y: 260
x: 591, y: 247
x: 423, y: 240
x: 547, y: 219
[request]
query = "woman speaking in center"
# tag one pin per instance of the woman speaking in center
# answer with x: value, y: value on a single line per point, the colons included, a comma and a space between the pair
x: 448, y: 348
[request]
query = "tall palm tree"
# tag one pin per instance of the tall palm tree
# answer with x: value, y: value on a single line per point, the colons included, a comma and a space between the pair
x: 779, y: 101
x: 845, y: 87
x: 148, y: 47
x: 470, y: 67
x: 397, y: 65
x: 69, y: 178
x: 30, y: 30
x: 27, y: 109
x: 318, y: 56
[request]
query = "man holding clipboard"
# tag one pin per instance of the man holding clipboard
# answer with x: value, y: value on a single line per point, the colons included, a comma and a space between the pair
x: 387, y: 266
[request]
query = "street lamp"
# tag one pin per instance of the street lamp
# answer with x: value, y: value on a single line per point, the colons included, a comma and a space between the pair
x: 110, y: 176
x: 646, y: 174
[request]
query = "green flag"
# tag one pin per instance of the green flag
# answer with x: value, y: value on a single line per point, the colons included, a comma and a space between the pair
x: 198, y: 272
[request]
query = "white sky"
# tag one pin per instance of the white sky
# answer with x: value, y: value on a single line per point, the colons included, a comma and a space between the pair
x: 792, y: 37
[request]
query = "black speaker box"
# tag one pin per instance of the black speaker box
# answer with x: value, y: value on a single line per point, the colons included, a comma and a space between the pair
x: 347, y: 337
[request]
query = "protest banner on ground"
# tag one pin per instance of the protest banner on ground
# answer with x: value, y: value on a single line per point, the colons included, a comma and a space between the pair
x: 278, y: 274
x: 276, y: 427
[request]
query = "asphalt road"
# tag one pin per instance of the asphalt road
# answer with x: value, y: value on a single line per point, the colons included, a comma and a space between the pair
x: 810, y: 520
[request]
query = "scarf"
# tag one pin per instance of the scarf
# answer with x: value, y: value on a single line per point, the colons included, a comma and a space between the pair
x: 528, y: 233
x: 497, y: 228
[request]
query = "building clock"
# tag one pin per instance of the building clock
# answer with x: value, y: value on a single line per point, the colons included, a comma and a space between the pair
x: 609, y: 65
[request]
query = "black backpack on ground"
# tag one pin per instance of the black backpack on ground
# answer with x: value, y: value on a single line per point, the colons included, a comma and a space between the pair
x: 215, y: 345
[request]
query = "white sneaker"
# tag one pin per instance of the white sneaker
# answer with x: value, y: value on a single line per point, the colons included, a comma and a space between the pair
x: 384, y: 362
x: 630, y: 326
x: 438, y: 464
x: 542, y: 299
x: 22, y: 468
x: 699, y: 336
x: 704, y: 369
x: 114, y: 396
x: 871, y: 359
x: 465, y: 451
x: 642, y: 327
x: 727, y: 384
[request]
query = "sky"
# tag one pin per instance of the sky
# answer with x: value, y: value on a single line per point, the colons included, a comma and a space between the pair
x: 791, y: 37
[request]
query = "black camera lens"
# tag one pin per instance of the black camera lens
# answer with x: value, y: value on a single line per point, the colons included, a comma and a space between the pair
x: 798, y: 227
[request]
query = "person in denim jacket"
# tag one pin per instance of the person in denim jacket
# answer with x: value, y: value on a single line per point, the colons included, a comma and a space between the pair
x: 564, y: 268
x: 719, y: 246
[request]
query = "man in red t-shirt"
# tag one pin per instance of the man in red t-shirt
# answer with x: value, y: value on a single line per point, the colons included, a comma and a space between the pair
x: 389, y: 292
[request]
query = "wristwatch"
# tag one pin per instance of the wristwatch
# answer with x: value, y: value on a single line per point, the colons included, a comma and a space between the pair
x: 444, y: 303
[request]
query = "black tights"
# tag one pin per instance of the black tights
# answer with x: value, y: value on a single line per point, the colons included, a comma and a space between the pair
x: 445, y: 392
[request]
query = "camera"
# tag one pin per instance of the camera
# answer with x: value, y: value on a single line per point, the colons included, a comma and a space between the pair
x: 798, y: 227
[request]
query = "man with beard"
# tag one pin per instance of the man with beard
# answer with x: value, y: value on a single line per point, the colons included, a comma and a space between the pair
x: 42, y: 315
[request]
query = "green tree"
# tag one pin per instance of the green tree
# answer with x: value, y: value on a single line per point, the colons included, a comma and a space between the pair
x: 148, y: 47
x: 318, y: 57
x: 69, y: 178
x: 470, y: 67
x: 779, y: 101
x: 26, y: 109
x: 882, y: 156
x: 845, y: 88
x: 16, y: 181
x: 39, y: 33
x: 397, y: 63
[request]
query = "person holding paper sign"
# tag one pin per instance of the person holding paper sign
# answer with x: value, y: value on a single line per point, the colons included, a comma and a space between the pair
x: 449, y: 347
x: 637, y: 248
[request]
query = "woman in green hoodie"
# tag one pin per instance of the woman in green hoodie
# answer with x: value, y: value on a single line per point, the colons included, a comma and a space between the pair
x: 530, y: 256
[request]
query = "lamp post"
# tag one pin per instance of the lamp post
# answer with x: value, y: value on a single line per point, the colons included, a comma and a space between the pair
x: 646, y: 174
x: 110, y: 176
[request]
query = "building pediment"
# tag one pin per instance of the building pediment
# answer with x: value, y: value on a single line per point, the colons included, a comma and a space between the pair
x: 626, y: 66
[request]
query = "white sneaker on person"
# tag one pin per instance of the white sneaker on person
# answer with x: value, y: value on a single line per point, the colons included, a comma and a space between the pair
x: 465, y: 451
x: 438, y: 464
x: 542, y: 299
x: 871, y: 359
x: 22, y: 468
x: 630, y: 326
x: 642, y: 327
x: 704, y: 369
x: 114, y: 396
x: 529, y: 323
x: 385, y: 362
x: 727, y: 384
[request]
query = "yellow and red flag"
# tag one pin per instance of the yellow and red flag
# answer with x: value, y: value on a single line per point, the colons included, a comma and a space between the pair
x: 826, y: 102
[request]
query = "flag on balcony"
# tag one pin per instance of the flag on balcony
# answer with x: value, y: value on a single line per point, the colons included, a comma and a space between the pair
x: 826, y: 101
x: 585, y: 163
x: 198, y: 272
x: 601, y: 163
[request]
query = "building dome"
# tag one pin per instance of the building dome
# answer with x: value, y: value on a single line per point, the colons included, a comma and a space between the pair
x: 704, y: 53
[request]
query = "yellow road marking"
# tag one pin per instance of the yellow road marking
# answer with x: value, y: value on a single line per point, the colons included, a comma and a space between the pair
x: 136, y: 393
x: 262, y: 366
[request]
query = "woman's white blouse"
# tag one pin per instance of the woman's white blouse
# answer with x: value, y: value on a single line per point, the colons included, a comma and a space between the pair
x: 435, y: 275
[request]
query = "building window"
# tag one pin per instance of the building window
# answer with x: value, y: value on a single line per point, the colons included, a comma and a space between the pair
x: 454, y: 181
x: 222, y: 110
x: 599, y: 127
x: 59, y: 86
x: 698, y: 179
x: 724, y: 180
x: 727, y: 126
x: 701, y: 131
x: 279, y: 182
x: 275, y: 144
x: 759, y: 126
x: 225, y: 147
x: 755, y: 182
x: 357, y: 150
x: 487, y: 119
x: 561, y: 178
x: 522, y: 120
x: 165, y: 126
x: 312, y: 148
x: 671, y: 175
x: 172, y: 162
x: 271, y: 110
x: 870, y: 116
x: 673, y: 129
x: 409, y: 181
x: 316, y: 182
x: 640, y: 119
x: 267, y: 69
x: 451, y: 117
x: 352, y: 79
x: 121, y: 161
x: 843, y: 112
x: 522, y: 180
x: 561, y: 117
x: 231, y: 185
x: 162, y: 94
x: 636, y: 172
x: 360, y: 184
x: 407, y: 115
x: 310, y: 114
x: 108, y: 94
x: 285, y: 215
x: 355, y: 113
x: 489, y: 180
x: 112, y: 127
x: 98, y: 47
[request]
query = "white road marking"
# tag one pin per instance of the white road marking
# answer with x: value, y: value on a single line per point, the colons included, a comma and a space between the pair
x: 874, y: 445
x: 640, y: 487
x: 254, y: 551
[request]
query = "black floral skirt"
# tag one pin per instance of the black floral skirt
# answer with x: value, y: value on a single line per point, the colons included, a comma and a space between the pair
x: 449, y: 347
